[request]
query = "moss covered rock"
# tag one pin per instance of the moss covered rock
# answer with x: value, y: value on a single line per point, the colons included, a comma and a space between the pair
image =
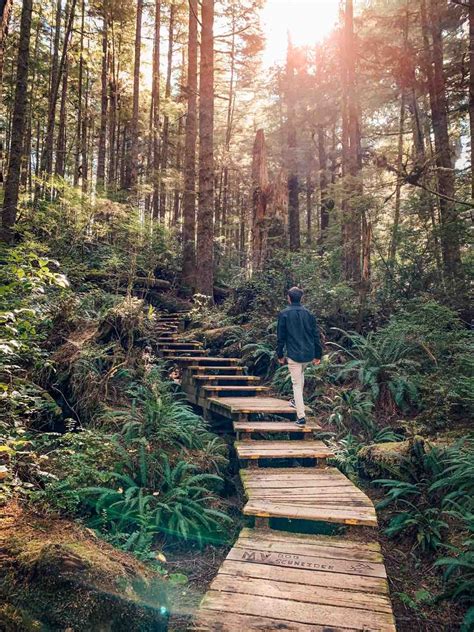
x: 381, y: 459
x: 57, y: 576
x: 220, y: 338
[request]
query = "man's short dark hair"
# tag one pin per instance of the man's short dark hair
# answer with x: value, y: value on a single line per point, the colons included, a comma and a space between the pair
x: 295, y: 294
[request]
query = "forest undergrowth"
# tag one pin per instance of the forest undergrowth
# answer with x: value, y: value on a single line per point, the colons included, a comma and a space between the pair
x: 395, y: 400
x: 95, y: 430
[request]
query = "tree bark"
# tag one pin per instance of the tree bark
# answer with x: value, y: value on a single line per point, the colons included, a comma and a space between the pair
x: 80, y: 88
x: 113, y: 98
x: 189, y: 198
x: 166, y: 121
x: 260, y: 192
x: 471, y: 89
x: 450, y: 246
x: 56, y: 78
x: 398, y: 190
x: 293, y: 180
x: 5, y: 12
x: 102, y: 148
x: 352, y: 220
x: 12, y: 186
x: 205, y: 226
x: 131, y: 177
x: 155, y: 89
x: 61, y: 141
x: 326, y: 202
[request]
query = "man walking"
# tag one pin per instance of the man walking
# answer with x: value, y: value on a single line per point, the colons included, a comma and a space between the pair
x: 298, y: 331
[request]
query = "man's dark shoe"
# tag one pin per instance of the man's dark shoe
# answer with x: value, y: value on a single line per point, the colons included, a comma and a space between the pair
x: 301, y: 422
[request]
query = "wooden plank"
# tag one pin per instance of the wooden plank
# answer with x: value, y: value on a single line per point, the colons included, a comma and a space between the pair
x: 179, y: 345
x: 351, y: 515
x: 301, y: 593
x: 211, y: 360
x: 282, y: 449
x: 273, y: 427
x: 321, y: 549
x: 299, y: 612
x: 310, y: 577
x: 305, y: 539
x: 216, y: 389
x: 361, y: 568
x: 222, y: 378
x: 294, y: 474
x: 197, y: 369
x: 269, y: 405
x: 186, y: 352
x: 211, y: 620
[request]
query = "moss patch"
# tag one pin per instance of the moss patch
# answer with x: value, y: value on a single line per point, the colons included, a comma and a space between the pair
x: 55, y: 575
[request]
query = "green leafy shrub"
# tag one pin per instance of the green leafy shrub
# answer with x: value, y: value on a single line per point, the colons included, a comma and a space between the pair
x: 381, y: 365
x: 352, y: 410
x: 442, y: 348
x: 74, y: 460
x: 150, y: 495
x: 432, y: 481
x: 458, y: 571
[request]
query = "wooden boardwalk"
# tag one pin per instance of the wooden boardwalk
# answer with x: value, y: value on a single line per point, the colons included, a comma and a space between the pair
x: 282, y: 581
x: 271, y: 579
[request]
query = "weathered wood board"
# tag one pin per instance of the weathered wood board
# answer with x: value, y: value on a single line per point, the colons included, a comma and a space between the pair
x: 322, y: 495
x: 280, y: 581
x: 282, y: 449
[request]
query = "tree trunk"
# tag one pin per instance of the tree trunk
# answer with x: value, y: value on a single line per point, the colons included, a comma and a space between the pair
x: 293, y: 181
x: 84, y: 130
x: 61, y: 141
x: 5, y: 12
x: 189, y: 198
x: 131, y: 177
x: 179, y: 145
x: 309, y: 209
x: 80, y: 80
x: 352, y: 220
x: 205, y: 227
x: 47, y: 156
x: 56, y: 78
x: 450, y: 246
x: 398, y: 190
x: 471, y: 89
x: 101, y: 153
x: 166, y: 122
x: 260, y: 191
x: 155, y: 90
x: 12, y: 186
x: 113, y: 82
x: 326, y: 202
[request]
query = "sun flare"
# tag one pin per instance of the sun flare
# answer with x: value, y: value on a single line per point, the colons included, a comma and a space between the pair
x: 307, y: 21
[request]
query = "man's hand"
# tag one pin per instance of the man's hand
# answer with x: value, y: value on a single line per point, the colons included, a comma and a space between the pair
x: 281, y: 361
x: 316, y: 361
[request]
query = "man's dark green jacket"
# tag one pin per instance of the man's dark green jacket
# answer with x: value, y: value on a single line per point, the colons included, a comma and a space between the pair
x: 298, y: 331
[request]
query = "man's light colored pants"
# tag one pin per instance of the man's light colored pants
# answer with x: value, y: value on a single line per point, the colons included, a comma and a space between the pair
x: 297, y: 379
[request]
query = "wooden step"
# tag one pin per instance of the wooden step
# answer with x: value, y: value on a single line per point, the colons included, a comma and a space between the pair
x: 288, y: 582
x: 179, y: 345
x: 245, y: 429
x: 205, y: 361
x: 256, y: 450
x: 222, y: 379
x: 235, y: 407
x: 197, y: 370
x: 184, y: 352
x: 214, y: 390
x: 315, y: 494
